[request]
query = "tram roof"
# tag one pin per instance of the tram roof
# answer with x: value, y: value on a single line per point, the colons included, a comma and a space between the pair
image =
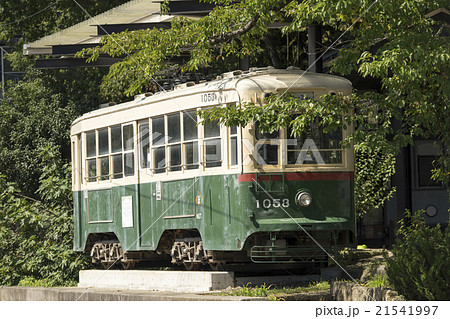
x: 262, y: 80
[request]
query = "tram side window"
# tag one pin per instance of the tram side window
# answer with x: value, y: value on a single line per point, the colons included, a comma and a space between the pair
x: 212, y: 144
x: 103, y: 152
x: 158, y: 145
x: 266, y: 146
x: 110, y: 149
x: 315, y: 146
x: 174, y: 141
x: 144, y: 139
x: 128, y: 147
x: 116, y: 151
x: 190, y: 139
x: 91, y: 159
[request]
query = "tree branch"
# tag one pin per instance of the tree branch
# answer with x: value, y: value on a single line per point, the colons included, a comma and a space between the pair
x: 233, y: 34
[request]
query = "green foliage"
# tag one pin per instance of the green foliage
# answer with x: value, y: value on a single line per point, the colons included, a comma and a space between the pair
x: 36, y: 113
x: 257, y: 291
x: 379, y: 280
x: 32, y: 117
x: 373, y: 171
x: 33, y: 282
x: 36, y: 238
x: 36, y: 227
x: 35, y: 175
x: 232, y: 29
x: 419, y: 269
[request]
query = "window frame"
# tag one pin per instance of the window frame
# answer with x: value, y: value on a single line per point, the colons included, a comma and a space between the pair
x: 110, y: 155
x: 204, y: 162
x: 341, y: 150
x: 195, y: 142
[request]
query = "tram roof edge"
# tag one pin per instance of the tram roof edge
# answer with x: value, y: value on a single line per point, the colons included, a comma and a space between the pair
x: 267, y: 79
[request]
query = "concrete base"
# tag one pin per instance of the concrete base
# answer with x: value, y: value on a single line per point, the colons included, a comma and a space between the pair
x: 98, y: 294
x: 175, y: 281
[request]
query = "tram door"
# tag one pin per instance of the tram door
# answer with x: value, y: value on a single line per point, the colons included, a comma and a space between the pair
x: 147, y: 190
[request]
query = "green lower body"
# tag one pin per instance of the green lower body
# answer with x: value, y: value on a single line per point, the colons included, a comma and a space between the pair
x: 230, y: 212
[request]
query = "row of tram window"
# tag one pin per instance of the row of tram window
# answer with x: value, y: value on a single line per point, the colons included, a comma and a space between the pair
x: 175, y: 143
x: 110, y: 153
x: 166, y: 143
x: 171, y: 143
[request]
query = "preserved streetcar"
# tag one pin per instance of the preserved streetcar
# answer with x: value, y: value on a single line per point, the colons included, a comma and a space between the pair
x: 150, y: 182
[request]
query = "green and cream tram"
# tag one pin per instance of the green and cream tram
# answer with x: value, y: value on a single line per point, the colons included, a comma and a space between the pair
x: 150, y: 182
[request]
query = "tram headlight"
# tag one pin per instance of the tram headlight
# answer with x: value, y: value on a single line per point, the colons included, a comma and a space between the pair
x: 303, y: 199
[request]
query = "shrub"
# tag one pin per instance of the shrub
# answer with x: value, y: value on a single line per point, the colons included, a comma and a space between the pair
x: 419, y: 269
x: 36, y: 235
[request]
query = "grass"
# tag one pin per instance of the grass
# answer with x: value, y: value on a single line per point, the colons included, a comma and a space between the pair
x: 379, y: 280
x: 274, y: 293
x: 33, y: 282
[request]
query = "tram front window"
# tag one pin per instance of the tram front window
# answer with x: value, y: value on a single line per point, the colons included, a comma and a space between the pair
x: 92, y: 170
x: 91, y: 149
x: 266, y: 147
x: 315, y: 146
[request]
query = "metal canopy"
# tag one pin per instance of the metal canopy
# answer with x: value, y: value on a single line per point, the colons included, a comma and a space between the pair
x: 190, y: 7
x: 105, y: 29
x: 135, y: 11
x: 133, y: 15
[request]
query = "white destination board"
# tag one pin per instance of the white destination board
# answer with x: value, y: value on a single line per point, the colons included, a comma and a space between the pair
x: 127, y: 211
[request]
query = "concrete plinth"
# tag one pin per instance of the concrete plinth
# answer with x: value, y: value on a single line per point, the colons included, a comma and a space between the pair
x: 175, y: 281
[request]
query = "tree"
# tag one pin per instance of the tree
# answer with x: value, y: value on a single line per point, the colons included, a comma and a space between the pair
x: 393, y: 41
x: 36, y: 235
x: 37, y: 113
x: 36, y: 228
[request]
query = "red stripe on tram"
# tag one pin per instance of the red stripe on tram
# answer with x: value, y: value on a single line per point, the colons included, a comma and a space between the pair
x: 338, y: 176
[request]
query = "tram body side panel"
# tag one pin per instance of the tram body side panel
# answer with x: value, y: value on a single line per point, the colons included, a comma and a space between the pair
x: 225, y: 209
x: 109, y: 210
x: 205, y: 203
x: 138, y: 217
